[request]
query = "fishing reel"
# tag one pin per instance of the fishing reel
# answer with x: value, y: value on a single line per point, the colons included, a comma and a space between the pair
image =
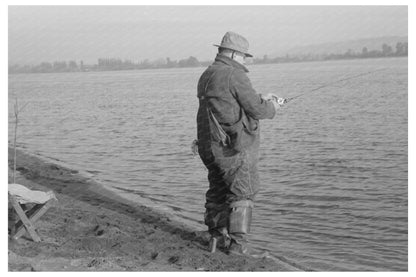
x: 275, y: 98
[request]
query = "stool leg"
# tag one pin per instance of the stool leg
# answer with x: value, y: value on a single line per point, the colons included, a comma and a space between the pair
x: 213, y: 244
x: 12, y: 222
x: 34, y: 215
x: 27, y: 223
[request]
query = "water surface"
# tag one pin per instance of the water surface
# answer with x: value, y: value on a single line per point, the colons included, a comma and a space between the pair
x: 333, y: 162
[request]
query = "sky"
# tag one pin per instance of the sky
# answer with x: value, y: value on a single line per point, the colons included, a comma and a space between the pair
x: 51, y: 33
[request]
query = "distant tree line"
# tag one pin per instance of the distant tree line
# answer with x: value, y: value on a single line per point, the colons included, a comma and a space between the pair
x: 104, y: 64
x: 385, y: 51
x: 107, y: 64
x: 118, y: 64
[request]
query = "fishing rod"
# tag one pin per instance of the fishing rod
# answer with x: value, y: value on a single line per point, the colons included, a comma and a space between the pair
x: 331, y: 83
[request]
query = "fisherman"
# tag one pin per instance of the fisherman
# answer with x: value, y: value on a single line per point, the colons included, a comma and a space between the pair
x: 228, y: 142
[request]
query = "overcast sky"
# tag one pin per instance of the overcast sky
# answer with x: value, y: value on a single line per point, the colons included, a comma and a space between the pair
x: 42, y: 33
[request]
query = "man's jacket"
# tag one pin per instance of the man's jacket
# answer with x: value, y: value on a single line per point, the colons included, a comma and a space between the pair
x: 229, y: 107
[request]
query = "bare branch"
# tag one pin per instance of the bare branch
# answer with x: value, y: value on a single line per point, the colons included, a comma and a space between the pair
x: 16, y: 115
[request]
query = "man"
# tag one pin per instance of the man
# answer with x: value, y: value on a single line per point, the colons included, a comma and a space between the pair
x: 228, y: 141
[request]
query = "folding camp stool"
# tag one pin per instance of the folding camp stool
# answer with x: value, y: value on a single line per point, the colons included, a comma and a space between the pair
x: 21, y: 196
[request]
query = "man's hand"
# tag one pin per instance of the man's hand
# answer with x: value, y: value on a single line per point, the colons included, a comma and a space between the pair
x: 270, y: 96
x: 276, y: 100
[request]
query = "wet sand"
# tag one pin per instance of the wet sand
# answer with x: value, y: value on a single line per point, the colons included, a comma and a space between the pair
x: 92, y: 229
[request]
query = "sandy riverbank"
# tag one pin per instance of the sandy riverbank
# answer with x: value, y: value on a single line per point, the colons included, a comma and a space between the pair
x: 92, y: 229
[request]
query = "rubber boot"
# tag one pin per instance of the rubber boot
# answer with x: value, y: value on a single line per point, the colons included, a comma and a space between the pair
x: 216, y: 218
x: 239, y: 228
x: 241, y: 247
x: 219, y: 238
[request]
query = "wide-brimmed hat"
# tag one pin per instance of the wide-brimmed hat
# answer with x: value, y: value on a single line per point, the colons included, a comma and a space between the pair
x: 236, y: 42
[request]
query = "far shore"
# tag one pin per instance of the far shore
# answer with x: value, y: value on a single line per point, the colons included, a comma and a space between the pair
x: 92, y: 229
x: 201, y: 65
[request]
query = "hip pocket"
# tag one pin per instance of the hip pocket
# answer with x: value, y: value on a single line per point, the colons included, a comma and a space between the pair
x: 217, y: 131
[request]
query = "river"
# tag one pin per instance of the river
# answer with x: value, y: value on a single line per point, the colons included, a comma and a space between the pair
x: 333, y: 166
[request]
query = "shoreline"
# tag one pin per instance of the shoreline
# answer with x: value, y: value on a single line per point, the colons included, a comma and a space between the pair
x: 91, y: 228
x: 204, y: 64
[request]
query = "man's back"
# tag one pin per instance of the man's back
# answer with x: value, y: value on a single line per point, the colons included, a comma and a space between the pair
x: 228, y: 141
x: 214, y: 91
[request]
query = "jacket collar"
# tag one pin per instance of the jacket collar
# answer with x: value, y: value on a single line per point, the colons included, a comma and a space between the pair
x: 231, y: 62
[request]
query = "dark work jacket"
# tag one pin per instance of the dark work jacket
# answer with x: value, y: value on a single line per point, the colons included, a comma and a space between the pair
x: 229, y: 108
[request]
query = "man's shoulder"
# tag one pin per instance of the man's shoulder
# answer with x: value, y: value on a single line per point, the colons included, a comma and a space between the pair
x: 239, y: 74
x: 219, y: 66
x: 217, y: 70
x: 226, y: 68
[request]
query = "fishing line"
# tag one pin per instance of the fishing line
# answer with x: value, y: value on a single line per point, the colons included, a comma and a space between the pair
x: 332, y: 83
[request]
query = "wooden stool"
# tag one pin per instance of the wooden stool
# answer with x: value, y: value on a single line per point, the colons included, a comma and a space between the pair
x: 20, y: 196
